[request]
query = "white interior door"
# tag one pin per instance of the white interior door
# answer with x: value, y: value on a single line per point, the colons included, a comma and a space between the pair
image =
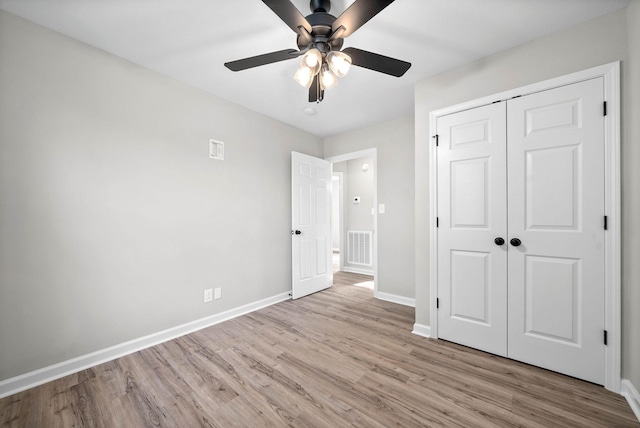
x: 556, y: 209
x: 472, y: 213
x: 311, y: 224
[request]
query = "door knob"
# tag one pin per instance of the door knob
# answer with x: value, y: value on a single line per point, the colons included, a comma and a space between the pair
x: 499, y: 241
x: 297, y: 232
x: 515, y: 242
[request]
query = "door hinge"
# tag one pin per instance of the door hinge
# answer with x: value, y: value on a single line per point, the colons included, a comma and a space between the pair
x: 605, y: 337
x: 605, y: 222
x: 605, y: 108
x: 437, y: 303
x: 437, y: 221
x: 437, y: 140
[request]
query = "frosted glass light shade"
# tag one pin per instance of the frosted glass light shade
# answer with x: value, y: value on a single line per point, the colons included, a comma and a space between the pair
x: 304, y: 76
x: 339, y: 62
x: 328, y: 79
x: 313, y: 60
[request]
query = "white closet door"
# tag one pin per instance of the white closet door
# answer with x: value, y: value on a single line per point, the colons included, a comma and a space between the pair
x: 472, y: 209
x: 556, y: 209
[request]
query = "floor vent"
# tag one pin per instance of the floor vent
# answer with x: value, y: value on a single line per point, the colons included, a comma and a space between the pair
x: 359, y: 250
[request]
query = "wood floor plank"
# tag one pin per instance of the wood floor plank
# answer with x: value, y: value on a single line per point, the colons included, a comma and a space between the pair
x: 337, y: 358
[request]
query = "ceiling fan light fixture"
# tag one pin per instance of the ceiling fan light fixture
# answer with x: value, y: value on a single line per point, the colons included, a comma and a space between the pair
x: 339, y: 62
x: 328, y: 78
x: 304, y: 76
x: 313, y: 60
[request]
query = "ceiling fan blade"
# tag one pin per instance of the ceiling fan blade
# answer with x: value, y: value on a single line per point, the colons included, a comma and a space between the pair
x: 256, y: 61
x: 289, y: 14
x: 377, y: 62
x: 356, y: 16
x: 315, y: 93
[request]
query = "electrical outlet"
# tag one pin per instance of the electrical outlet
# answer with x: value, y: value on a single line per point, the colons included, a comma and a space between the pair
x: 208, y: 295
x: 218, y: 293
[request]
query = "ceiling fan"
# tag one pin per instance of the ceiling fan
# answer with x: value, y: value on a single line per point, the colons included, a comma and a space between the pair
x: 320, y: 38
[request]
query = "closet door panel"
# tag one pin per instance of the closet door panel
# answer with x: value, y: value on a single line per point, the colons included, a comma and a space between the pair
x: 556, y: 209
x: 472, y: 213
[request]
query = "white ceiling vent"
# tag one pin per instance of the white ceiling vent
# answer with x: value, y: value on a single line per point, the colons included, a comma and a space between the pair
x: 216, y: 149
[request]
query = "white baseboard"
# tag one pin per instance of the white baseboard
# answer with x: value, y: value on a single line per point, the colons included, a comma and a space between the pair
x: 357, y: 270
x: 393, y: 298
x: 422, y: 330
x: 38, y: 377
x: 629, y: 392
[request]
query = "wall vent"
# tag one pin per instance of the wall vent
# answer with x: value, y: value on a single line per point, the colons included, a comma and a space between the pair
x: 359, y: 249
x: 216, y: 150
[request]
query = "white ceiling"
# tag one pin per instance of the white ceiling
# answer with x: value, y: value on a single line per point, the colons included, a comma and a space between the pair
x: 190, y: 40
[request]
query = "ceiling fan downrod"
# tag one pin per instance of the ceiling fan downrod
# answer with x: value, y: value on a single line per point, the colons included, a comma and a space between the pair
x: 320, y: 6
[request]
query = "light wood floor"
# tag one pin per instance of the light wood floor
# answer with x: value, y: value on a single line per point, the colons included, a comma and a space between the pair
x: 336, y: 358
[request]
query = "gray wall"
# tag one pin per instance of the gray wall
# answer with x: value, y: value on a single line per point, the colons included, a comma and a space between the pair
x: 394, y: 142
x: 113, y: 220
x: 360, y: 183
x: 597, y: 42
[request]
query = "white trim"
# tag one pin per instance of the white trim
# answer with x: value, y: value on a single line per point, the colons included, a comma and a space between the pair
x: 340, y: 225
x: 611, y: 74
x: 612, y: 244
x: 352, y: 155
x: 360, y: 271
x: 433, y: 231
x: 356, y: 155
x: 394, y: 298
x: 422, y: 330
x: 46, y: 374
x: 629, y: 392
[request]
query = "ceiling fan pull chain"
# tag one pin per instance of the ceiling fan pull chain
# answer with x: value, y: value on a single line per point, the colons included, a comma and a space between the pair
x: 318, y: 93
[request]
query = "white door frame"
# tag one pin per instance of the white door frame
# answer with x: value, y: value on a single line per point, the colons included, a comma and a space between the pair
x: 611, y: 74
x: 356, y: 155
x: 340, y: 176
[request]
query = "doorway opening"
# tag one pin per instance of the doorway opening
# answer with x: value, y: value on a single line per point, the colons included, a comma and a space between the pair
x: 354, y: 219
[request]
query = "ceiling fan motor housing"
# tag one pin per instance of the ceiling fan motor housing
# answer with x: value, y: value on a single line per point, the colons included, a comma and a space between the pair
x: 321, y: 22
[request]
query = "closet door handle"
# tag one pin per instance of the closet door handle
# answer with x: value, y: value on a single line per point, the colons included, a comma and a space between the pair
x: 498, y: 241
x: 515, y: 242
